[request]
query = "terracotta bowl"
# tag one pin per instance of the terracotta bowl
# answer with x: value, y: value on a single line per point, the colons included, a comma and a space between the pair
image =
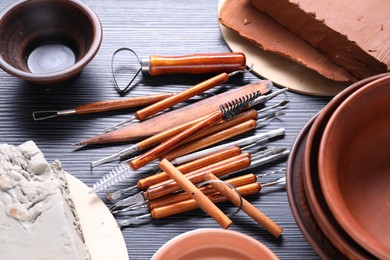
x: 354, y: 166
x: 316, y: 201
x: 45, y: 41
x: 213, y: 244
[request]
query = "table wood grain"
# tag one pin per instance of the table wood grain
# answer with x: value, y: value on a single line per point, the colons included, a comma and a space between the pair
x: 149, y: 27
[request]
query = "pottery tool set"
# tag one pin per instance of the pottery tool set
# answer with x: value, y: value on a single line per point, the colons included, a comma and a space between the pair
x: 180, y: 136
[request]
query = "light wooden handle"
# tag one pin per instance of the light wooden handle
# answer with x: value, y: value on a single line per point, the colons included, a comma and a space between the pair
x: 146, y: 112
x: 205, y: 203
x: 122, y: 103
x: 197, y: 63
x: 191, y: 204
x: 144, y: 183
x: 247, y: 207
x: 211, y: 139
x: 221, y: 168
x: 164, y: 135
x: 174, y: 141
x: 175, y: 198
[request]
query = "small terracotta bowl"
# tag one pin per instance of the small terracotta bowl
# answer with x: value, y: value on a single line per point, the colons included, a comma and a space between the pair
x: 46, y: 41
x: 354, y: 166
x: 213, y: 244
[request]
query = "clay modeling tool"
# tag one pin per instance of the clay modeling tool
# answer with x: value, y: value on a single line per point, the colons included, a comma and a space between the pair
x: 202, y: 200
x: 187, y: 205
x: 102, y: 106
x: 224, y: 168
x: 185, y: 64
x: 160, y: 137
x: 123, y: 170
x: 176, y: 117
x: 226, y: 111
x: 157, y: 107
x: 195, y: 145
x: 144, y: 183
x: 245, y: 206
x: 177, y: 197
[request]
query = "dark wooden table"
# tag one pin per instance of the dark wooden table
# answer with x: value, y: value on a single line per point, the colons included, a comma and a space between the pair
x: 149, y: 27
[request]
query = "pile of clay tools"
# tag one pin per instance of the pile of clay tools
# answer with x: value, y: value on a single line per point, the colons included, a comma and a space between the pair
x: 200, y: 139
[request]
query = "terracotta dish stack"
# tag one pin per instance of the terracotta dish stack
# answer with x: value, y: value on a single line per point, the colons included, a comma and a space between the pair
x: 338, y: 176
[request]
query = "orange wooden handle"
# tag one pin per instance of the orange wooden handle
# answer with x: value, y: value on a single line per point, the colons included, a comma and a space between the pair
x: 144, y: 183
x: 197, y: 63
x: 123, y: 103
x: 146, y: 112
x: 212, y: 139
x: 162, y: 136
x: 191, y: 204
x: 175, y: 198
x: 248, y: 208
x: 219, y: 169
x: 205, y: 203
x: 174, y: 141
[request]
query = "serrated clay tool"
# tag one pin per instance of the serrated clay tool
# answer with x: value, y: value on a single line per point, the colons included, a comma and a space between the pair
x: 183, y: 64
x: 245, y: 206
x: 102, y: 106
x: 182, y: 117
x: 202, y: 200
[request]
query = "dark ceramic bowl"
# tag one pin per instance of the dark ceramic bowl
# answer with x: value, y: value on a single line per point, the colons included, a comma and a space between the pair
x: 354, y: 166
x: 47, y: 41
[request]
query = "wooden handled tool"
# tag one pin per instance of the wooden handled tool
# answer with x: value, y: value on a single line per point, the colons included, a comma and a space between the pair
x: 211, y: 139
x: 193, y: 64
x: 161, y: 137
x: 187, y: 205
x: 176, y: 117
x: 153, y: 109
x: 174, y: 141
x: 227, y: 110
x: 247, y: 207
x: 203, y: 202
x: 191, y: 204
x: 103, y: 106
x: 144, y: 183
x: 221, y: 168
x: 175, y: 198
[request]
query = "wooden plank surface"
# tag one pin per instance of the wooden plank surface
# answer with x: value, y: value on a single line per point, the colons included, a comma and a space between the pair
x: 149, y: 27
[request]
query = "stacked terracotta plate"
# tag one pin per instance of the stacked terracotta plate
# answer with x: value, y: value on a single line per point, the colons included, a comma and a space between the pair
x: 339, y: 174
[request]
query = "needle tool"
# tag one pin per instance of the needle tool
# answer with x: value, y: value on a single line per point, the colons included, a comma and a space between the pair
x: 184, y: 64
x: 190, y: 204
x: 102, y: 106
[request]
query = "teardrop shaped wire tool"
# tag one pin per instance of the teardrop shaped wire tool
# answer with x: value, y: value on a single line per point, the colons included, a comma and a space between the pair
x: 185, y: 64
